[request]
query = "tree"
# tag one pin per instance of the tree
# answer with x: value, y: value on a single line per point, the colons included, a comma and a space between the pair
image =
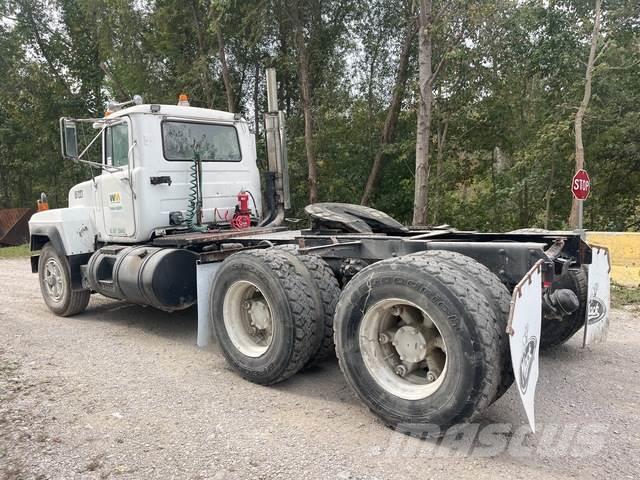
x: 448, y: 26
x: 305, y: 94
x: 423, y: 132
x: 388, y: 130
x: 595, y: 36
x: 499, y: 150
x: 226, y: 77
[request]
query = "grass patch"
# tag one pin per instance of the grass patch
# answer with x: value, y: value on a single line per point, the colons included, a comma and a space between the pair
x: 624, y: 295
x: 15, y: 252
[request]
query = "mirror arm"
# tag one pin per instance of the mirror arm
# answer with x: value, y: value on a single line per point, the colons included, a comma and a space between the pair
x: 91, y: 143
x: 107, y: 168
x: 98, y: 165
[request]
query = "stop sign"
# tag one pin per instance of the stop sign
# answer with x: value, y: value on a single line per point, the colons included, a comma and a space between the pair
x: 581, y: 185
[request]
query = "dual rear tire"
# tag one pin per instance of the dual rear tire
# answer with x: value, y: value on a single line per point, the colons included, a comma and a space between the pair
x: 420, y: 339
x: 420, y: 342
x: 269, y: 311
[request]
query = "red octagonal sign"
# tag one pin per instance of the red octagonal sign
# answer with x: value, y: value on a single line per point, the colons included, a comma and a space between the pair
x: 581, y: 185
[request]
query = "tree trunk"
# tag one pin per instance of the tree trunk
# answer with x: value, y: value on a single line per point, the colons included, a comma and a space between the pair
x: 547, y: 210
x: 497, y: 224
x: 305, y: 91
x: 284, y: 89
x: 226, y: 77
x: 391, y: 120
x: 204, y: 55
x: 425, y: 75
x: 256, y: 100
x: 573, y: 217
x: 442, y: 140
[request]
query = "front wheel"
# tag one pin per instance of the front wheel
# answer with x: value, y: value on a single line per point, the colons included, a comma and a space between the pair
x: 54, y: 275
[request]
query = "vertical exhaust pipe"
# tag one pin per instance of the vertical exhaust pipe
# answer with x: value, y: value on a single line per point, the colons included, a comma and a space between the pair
x: 277, y: 179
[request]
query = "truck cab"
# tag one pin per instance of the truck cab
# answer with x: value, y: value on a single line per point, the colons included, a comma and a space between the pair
x: 148, y: 175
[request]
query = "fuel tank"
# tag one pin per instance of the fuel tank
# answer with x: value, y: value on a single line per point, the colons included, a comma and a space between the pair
x: 164, y: 278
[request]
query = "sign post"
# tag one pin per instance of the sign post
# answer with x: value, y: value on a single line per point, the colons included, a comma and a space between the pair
x: 580, y: 188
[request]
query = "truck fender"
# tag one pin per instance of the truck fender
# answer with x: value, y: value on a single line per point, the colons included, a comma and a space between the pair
x: 41, y: 234
x: 70, y: 231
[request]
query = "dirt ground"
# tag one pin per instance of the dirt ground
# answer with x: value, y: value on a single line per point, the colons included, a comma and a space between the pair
x: 122, y: 391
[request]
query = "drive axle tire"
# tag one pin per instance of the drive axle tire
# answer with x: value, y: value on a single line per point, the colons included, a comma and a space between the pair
x: 326, y: 293
x: 500, y: 299
x: 54, y: 275
x: 418, y: 343
x: 262, y: 312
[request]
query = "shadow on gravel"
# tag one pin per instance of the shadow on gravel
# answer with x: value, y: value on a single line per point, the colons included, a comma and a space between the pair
x: 180, y: 326
x: 567, y: 353
x: 325, y: 381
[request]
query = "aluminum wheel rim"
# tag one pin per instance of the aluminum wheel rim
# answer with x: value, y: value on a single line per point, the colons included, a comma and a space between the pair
x: 53, y: 280
x: 248, y: 318
x: 403, y: 349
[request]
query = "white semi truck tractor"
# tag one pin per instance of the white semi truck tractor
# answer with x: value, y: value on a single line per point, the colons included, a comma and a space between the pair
x: 429, y: 325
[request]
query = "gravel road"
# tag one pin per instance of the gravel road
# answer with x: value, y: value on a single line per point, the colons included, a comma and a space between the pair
x: 122, y: 391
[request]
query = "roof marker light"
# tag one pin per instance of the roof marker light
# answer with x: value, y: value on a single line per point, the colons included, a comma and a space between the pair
x: 183, y: 100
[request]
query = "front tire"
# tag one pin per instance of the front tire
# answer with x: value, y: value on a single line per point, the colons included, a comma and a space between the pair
x: 54, y: 275
x: 396, y: 314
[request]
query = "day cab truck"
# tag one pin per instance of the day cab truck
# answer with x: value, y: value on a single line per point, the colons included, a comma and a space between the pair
x: 430, y: 325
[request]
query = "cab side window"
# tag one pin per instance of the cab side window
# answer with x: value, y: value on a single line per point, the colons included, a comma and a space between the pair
x: 117, y: 145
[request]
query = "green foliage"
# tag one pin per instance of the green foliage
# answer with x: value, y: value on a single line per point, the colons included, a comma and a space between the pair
x: 621, y: 296
x: 512, y: 77
x: 15, y: 252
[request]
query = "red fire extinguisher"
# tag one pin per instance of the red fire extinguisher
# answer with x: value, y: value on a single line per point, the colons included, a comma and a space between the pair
x: 242, y: 215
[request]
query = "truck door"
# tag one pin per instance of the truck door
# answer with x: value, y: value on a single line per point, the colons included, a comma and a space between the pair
x: 115, y: 186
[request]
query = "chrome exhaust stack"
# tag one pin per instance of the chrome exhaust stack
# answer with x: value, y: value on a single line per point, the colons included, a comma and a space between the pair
x: 277, y: 178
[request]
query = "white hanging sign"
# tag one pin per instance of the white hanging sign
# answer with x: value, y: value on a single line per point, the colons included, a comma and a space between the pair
x: 596, y: 323
x: 525, y: 319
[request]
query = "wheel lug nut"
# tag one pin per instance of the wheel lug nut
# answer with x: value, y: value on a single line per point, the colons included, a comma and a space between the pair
x: 431, y: 377
x: 401, y: 370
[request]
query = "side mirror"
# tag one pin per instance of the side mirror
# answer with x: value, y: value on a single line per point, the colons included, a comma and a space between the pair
x: 68, y: 138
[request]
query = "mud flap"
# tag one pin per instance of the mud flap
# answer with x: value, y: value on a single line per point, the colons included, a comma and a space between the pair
x: 525, y: 320
x: 596, y: 324
x: 205, y: 276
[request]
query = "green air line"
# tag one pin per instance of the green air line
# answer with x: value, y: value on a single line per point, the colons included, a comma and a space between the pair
x: 195, y: 186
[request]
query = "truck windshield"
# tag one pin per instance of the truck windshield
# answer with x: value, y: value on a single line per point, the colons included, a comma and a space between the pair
x: 214, y: 143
